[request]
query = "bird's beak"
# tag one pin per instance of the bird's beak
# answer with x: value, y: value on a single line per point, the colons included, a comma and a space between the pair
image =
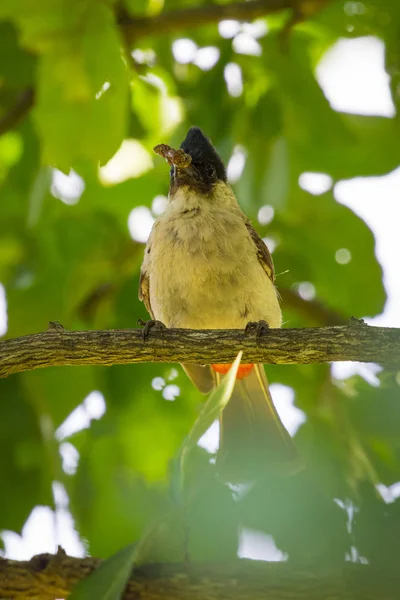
x: 185, y: 175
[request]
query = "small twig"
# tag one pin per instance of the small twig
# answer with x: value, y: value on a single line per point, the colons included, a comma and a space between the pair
x: 186, y: 18
x: 24, y: 103
x: 59, y: 347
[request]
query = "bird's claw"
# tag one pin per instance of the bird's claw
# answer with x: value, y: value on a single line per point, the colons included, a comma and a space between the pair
x: 259, y: 328
x: 149, y: 325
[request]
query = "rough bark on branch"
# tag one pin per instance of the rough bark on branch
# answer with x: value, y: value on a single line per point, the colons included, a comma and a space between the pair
x: 46, y: 577
x: 58, y: 347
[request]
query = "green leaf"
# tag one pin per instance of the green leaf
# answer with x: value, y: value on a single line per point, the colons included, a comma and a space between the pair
x: 16, y: 65
x: 82, y: 94
x: 122, y: 470
x: 216, y: 403
x: 28, y: 461
x: 310, y: 254
x: 108, y: 581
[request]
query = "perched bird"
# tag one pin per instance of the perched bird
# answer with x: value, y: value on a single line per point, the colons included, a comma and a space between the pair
x: 205, y: 267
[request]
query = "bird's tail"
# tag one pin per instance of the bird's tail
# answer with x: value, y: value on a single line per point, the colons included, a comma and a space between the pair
x: 253, y: 439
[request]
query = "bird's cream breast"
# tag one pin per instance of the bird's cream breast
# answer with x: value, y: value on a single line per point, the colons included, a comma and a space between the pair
x: 203, y: 269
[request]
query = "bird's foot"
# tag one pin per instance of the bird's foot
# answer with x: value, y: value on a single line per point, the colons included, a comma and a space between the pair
x: 257, y: 328
x: 149, y: 325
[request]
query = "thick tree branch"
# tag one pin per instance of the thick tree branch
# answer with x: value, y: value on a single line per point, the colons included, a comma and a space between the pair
x: 186, y: 18
x: 46, y: 577
x: 57, y: 346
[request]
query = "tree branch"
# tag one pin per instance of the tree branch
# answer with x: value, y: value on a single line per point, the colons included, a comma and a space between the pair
x: 59, y: 347
x: 22, y: 106
x: 46, y: 577
x: 187, y: 18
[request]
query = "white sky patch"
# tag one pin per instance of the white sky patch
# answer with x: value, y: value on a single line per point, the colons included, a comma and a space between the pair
x: 158, y: 383
x: 140, y: 222
x: 159, y: 205
x: 257, y: 545
x: 368, y: 371
x: 70, y: 458
x: 3, y: 310
x: 233, y: 79
x: 171, y: 392
x: 184, y: 50
x: 353, y: 77
x: 315, y: 183
x: 60, y: 495
x: 77, y: 420
x: 206, y: 58
x: 265, y: 214
x: 291, y: 416
x: 389, y: 494
x: 42, y: 532
x: 236, y: 164
x: 306, y: 290
x: 67, y: 188
x: 210, y: 439
x: 244, y: 43
x: 377, y: 201
x: 229, y: 28
x: 95, y: 404
x: 271, y: 243
x: 37, y: 536
x: 131, y: 160
x: 92, y: 407
x: 144, y: 57
x: 257, y: 29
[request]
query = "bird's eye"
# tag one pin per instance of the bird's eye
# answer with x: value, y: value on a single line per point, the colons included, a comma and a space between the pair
x: 210, y: 171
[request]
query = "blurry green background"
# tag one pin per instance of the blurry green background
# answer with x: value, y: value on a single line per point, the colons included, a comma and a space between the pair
x: 79, y: 190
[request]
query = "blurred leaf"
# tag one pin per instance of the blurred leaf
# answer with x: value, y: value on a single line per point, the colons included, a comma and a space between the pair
x: 16, y: 65
x: 26, y: 462
x: 312, y: 256
x: 108, y: 581
x: 97, y: 96
x: 59, y: 390
x: 212, y: 409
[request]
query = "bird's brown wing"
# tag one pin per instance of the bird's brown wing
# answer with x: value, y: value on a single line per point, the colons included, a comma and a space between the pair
x: 263, y: 253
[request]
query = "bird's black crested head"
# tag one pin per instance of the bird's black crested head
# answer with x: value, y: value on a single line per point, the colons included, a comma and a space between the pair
x: 205, y: 158
x: 205, y: 170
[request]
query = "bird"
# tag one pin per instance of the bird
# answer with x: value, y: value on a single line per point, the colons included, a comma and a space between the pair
x: 206, y: 267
